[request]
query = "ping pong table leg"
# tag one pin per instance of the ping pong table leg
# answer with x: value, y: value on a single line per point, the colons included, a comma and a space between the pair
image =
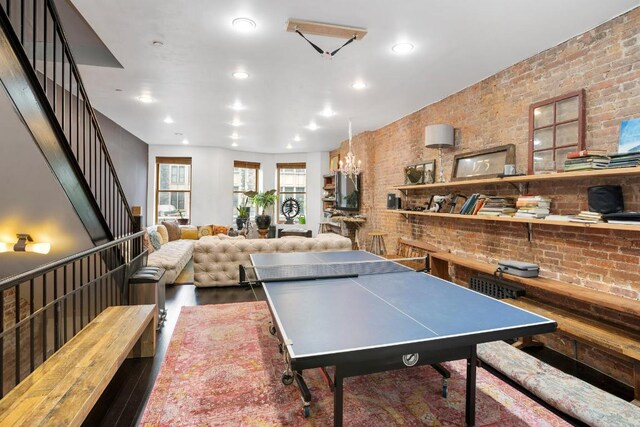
x: 470, y: 408
x: 337, y: 398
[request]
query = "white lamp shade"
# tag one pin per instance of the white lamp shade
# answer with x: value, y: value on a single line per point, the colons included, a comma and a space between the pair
x: 438, y: 136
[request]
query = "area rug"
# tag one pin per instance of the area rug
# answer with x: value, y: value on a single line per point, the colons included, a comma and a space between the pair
x: 223, y: 368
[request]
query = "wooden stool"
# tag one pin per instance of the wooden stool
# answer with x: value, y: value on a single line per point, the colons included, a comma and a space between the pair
x: 377, y: 243
x: 325, y: 227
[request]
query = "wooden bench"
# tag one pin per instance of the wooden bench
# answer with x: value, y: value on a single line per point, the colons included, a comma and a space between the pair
x: 606, y: 325
x: 65, y: 387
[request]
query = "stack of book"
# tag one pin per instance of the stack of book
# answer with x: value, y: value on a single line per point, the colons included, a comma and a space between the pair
x: 532, y: 206
x: 588, y: 217
x: 624, y: 160
x: 586, y: 159
x: 498, y: 206
x: 473, y: 204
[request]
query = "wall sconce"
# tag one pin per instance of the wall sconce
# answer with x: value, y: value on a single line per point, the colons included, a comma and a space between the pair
x: 25, y: 244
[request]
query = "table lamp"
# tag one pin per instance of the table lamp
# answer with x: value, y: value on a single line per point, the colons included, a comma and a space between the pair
x: 439, y: 136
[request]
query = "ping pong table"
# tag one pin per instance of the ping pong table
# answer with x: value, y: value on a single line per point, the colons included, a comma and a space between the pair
x: 363, y: 314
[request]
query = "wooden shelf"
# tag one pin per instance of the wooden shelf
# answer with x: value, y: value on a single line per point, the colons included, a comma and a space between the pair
x: 526, y: 178
x: 329, y: 187
x: 600, y: 226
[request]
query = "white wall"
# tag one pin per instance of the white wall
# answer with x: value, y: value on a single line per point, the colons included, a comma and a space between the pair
x: 212, y: 180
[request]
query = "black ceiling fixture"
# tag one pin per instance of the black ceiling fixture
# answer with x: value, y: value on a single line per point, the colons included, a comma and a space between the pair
x: 322, y: 52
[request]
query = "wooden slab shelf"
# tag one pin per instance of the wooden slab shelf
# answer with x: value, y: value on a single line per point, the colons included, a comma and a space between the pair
x: 599, y: 226
x: 526, y: 178
x: 440, y: 267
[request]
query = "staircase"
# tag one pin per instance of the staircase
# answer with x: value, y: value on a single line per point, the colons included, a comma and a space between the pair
x: 40, y: 75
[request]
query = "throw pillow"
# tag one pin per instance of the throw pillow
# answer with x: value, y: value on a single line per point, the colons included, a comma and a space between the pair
x: 146, y: 243
x: 164, y: 235
x: 173, y: 230
x: 205, y: 230
x: 156, y: 240
x: 220, y: 229
x: 189, y: 233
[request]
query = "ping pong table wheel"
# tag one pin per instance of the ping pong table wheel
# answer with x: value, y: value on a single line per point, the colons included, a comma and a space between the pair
x: 307, y: 411
x: 445, y: 390
x: 280, y: 350
x: 272, y: 329
x: 287, y: 378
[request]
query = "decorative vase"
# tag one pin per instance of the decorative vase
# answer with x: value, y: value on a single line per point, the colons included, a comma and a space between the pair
x: 263, y: 221
x: 241, y: 223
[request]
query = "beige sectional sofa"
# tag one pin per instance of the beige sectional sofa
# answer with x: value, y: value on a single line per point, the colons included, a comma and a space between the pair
x: 216, y: 260
x: 173, y: 256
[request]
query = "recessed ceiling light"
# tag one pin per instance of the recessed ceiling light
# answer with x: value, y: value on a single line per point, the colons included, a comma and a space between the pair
x: 168, y: 120
x: 236, y: 123
x: 145, y: 99
x: 297, y: 138
x: 240, y: 75
x: 234, y: 144
x: 327, y: 112
x: 289, y: 146
x: 402, y: 48
x: 234, y: 136
x: 312, y: 126
x: 237, y: 106
x: 185, y: 141
x: 158, y: 43
x: 243, y: 24
x: 359, y: 85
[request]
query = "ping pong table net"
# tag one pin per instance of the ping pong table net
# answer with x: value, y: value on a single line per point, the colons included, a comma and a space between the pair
x: 334, y: 270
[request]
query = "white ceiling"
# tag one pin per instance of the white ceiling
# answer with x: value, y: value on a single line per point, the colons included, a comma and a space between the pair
x: 457, y: 43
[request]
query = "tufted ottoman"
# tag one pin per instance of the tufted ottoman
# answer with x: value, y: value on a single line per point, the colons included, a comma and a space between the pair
x: 216, y: 261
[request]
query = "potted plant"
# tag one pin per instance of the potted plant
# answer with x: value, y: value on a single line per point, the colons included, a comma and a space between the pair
x: 262, y: 201
x: 243, y: 214
x: 182, y: 220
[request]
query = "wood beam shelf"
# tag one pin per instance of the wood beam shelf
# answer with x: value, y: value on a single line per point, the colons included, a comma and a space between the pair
x: 633, y: 171
x: 599, y: 226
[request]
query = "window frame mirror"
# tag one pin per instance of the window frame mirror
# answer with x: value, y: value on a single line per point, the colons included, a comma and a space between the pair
x: 546, y: 123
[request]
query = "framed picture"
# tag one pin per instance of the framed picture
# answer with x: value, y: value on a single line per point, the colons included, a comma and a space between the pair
x: 420, y: 173
x: 333, y: 162
x: 484, y: 163
x: 629, y: 136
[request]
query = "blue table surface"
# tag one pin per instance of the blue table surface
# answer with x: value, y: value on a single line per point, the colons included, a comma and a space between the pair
x: 340, y: 315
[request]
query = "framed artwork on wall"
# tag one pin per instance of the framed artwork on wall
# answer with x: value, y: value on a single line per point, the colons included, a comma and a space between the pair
x: 556, y: 128
x: 487, y: 163
x: 629, y: 136
x: 333, y: 162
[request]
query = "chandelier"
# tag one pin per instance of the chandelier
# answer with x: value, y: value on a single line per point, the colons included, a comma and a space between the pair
x: 350, y: 168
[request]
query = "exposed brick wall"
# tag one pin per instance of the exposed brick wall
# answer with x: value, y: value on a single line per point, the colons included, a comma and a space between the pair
x: 605, y: 62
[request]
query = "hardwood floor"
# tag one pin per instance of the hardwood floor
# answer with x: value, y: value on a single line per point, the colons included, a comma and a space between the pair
x: 124, y: 400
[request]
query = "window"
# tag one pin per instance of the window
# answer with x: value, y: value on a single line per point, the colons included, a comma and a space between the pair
x: 292, y: 182
x: 173, y: 188
x: 245, y: 178
x: 556, y: 128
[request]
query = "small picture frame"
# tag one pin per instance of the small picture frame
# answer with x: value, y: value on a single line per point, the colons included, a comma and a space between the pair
x: 420, y: 173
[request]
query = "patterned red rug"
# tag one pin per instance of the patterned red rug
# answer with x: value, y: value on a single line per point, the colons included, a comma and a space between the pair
x: 223, y: 368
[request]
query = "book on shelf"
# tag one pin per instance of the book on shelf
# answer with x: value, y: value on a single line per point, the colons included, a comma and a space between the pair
x: 617, y: 221
x: 583, y: 153
x: 587, y: 217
